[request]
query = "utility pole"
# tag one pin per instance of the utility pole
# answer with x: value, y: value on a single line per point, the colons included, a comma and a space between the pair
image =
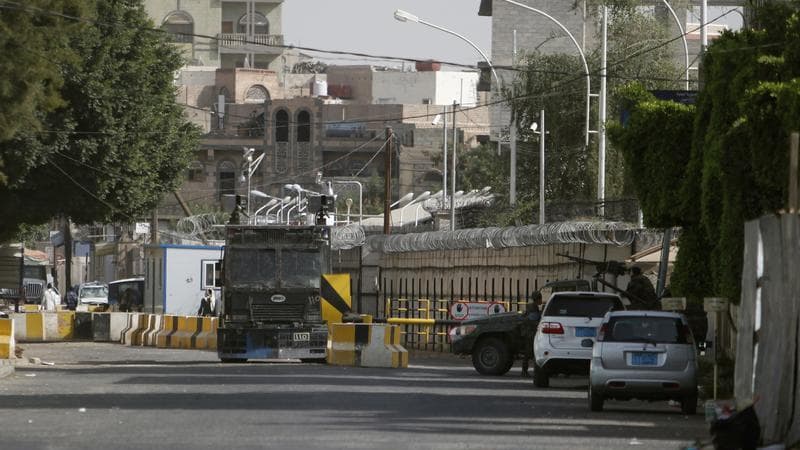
x: 387, y: 197
x: 67, y: 256
x: 154, y: 228
x: 541, y: 167
x: 453, y: 174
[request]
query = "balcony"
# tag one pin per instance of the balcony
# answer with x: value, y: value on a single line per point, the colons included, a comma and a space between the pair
x: 258, y: 44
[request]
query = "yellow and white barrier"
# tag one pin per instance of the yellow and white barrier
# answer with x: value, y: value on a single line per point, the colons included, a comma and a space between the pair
x: 7, y: 341
x: 58, y: 326
x: 169, y: 325
x: 29, y: 327
x: 366, y: 345
x: 206, y: 338
x: 149, y: 336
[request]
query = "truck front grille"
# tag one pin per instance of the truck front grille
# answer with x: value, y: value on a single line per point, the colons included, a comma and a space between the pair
x: 277, y: 313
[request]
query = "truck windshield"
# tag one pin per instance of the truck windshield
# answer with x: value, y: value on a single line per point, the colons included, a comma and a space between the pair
x: 252, y: 266
x: 300, y: 268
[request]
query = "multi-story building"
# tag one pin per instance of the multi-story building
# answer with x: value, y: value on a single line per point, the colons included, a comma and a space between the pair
x: 224, y: 33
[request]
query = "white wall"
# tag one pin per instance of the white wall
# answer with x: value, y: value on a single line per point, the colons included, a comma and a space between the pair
x: 184, y: 273
x: 413, y: 88
x: 449, y: 88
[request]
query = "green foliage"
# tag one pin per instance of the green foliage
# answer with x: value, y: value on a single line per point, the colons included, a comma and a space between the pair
x: 30, y: 235
x: 656, y: 144
x: 737, y: 168
x: 557, y: 84
x: 32, y: 44
x: 119, y: 140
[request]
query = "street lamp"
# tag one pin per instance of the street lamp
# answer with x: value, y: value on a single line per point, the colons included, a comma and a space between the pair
x: 421, y: 198
x: 405, y: 16
x: 250, y: 166
x: 580, y: 51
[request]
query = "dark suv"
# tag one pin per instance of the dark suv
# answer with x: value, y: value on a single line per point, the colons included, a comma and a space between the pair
x: 495, y: 341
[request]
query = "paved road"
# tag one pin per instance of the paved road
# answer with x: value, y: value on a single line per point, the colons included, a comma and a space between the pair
x: 111, y: 396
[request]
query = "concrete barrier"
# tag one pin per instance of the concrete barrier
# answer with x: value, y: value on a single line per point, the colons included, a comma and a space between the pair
x: 168, y: 326
x: 59, y: 326
x: 187, y: 328
x: 207, y: 334
x: 145, y: 322
x: 29, y: 327
x: 149, y: 336
x: 7, y: 340
x: 101, y: 327
x: 83, y: 326
x: 366, y: 345
x: 118, y: 322
x: 134, y: 322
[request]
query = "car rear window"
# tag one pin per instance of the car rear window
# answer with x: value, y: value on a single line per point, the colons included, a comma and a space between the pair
x: 664, y: 330
x: 581, y: 306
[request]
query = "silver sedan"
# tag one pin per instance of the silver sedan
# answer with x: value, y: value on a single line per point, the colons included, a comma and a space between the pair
x: 647, y: 355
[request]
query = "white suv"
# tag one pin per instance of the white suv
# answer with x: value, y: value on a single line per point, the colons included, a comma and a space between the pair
x: 568, y: 320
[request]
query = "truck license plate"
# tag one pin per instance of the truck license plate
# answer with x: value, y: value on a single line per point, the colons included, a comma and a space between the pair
x: 301, y: 337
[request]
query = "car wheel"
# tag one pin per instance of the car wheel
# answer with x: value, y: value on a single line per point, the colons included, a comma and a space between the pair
x: 595, y: 400
x: 491, y: 356
x: 541, y: 379
x: 689, y: 405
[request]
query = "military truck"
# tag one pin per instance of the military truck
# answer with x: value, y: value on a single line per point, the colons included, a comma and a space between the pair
x: 495, y: 341
x: 271, y: 302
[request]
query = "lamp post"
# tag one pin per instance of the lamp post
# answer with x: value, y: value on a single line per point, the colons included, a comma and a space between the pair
x: 250, y: 166
x: 685, y: 43
x: 580, y: 51
x: 405, y: 16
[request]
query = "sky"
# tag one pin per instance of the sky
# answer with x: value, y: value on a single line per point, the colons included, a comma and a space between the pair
x: 368, y: 26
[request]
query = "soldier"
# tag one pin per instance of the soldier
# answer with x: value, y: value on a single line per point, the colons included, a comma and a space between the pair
x: 643, y: 295
x: 528, y: 329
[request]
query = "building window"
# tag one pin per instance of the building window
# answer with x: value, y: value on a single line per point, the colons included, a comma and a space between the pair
x: 303, y: 126
x: 226, y: 179
x: 282, y: 126
x: 180, y: 26
x: 259, y: 20
x: 195, y: 172
x: 256, y: 94
x: 212, y: 275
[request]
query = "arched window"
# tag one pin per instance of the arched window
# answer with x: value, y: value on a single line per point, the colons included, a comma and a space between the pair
x: 282, y: 126
x: 303, y: 126
x: 256, y: 94
x: 259, y: 20
x: 180, y: 26
x: 226, y: 178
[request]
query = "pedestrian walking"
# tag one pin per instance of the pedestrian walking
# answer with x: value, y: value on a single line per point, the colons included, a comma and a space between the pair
x: 50, y: 299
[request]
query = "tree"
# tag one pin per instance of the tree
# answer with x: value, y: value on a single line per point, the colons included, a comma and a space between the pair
x: 29, y: 81
x: 119, y: 140
x: 556, y: 84
x: 737, y: 163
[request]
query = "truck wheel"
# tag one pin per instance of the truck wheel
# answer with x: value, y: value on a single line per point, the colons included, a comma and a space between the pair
x: 491, y: 357
x: 595, y: 400
x: 541, y: 379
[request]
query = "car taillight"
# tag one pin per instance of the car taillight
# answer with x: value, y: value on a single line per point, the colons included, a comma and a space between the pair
x: 601, y: 334
x: 551, y: 328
